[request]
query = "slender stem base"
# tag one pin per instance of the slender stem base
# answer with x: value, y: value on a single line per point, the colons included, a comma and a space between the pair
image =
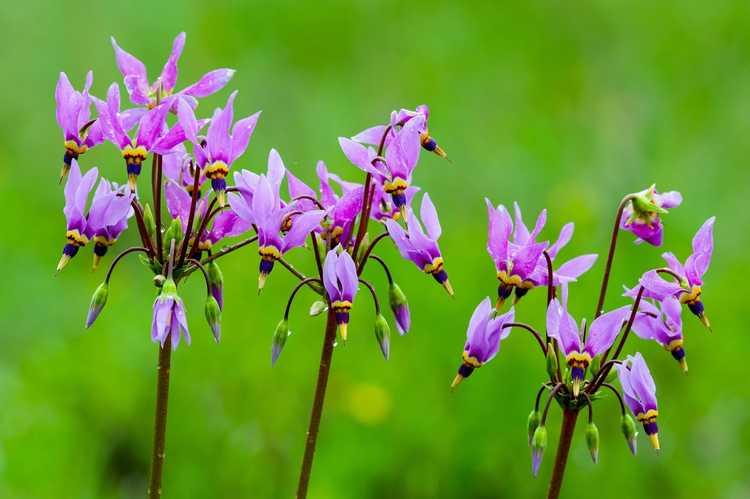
x: 567, y: 428
x: 160, y: 419
x: 317, y: 408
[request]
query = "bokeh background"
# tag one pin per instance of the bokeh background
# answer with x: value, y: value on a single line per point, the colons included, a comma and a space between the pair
x: 552, y: 104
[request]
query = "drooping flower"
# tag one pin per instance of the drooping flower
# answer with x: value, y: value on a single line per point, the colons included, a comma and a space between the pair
x: 518, y: 256
x: 690, y: 274
x: 77, y: 190
x: 221, y: 147
x: 602, y: 333
x: 73, y: 113
x: 147, y: 94
x: 421, y: 248
x: 152, y: 135
x: 400, y: 308
x: 639, y: 392
x: 394, y: 171
x: 341, y: 284
x: 108, y: 216
x: 641, y: 215
x: 259, y: 203
x: 662, y: 324
x: 483, y: 337
x: 376, y: 134
x: 169, y: 319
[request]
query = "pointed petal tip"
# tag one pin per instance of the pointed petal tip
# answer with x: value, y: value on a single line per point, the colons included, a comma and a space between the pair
x: 683, y: 365
x: 705, y: 322
x: 448, y: 287
x: 456, y: 381
x: 343, y: 330
x: 132, y: 181
x: 62, y: 263
x: 63, y: 173
x: 654, y: 439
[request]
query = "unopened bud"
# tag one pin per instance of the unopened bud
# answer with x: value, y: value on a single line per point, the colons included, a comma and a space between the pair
x: 400, y: 308
x: 98, y: 300
x: 213, y: 316
x: 318, y: 307
x: 279, y: 340
x: 362, y: 247
x: 592, y: 441
x: 538, y: 444
x: 551, y: 361
x: 148, y: 221
x: 627, y: 423
x: 216, y: 282
x: 532, y: 424
x: 173, y: 232
x: 644, y: 206
x: 383, y: 335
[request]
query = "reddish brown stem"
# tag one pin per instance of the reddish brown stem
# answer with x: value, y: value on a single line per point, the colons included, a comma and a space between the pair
x: 567, y: 428
x: 160, y: 420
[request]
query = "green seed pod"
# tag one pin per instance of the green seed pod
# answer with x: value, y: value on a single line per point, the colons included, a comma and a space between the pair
x: 318, y: 307
x: 173, y: 232
x: 592, y: 441
x: 533, y: 424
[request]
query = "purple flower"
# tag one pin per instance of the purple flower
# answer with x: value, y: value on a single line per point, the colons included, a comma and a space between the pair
x: 639, y: 392
x: 221, y: 148
x: 108, y: 216
x: 147, y: 94
x: 169, y: 316
x: 72, y: 110
x: 483, y: 337
x: 341, y: 283
x: 400, y: 308
x: 259, y: 203
x: 641, y: 215
x: 690, y: 274
x: 662, y: 324
x: 518, y: 256
x: 152, y: 134
x: 77, y: 190
x: 578, y: 355
x: 375, y: 135
x: 394, y: 171
x: 421, y: 248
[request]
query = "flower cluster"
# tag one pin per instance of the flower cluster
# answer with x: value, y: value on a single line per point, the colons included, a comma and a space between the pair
x: 580, y: 357
x: 188, y: 148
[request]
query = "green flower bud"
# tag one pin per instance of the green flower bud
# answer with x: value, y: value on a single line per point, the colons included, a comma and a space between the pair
x: 148, y: 220
x: 362, y: 247
x: 611, y: 376
x: 318, y: 307
x: 383, y: 335
x: 168, y: 287
x: 596, y: 365
x: 644, y: 206
x: 400, y: 308
x: 173, y: 232
x: 279, y: 340
x: 592, y: 441
x: 216, y: 282
x: 98, y: 300
x: 532, y: 424
x: 538, y: 444
x: 551, y: 361
x: 213, y: 316
x: 627, y: 423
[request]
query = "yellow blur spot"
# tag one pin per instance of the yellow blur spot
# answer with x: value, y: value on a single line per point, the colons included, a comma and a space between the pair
x: 368, y: 404
x: 654, y: 438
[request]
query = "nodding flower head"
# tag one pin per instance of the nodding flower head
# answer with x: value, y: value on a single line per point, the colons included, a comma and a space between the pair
x: 639, y: 392
x: 77, y: 190
x: 421, y: 248
x: 153, y: 134
x: 663, y: 324
x: 689, y: 276
x: 483, y: 337
x: 259, y: 203
x: 221, y: 147
x: 641, y: 215
x: 108, y: 216
x: 145, y: 93
x: 341, y: 284
x: 169, y: 319
x: 73, y: 113
x: 578, y: 355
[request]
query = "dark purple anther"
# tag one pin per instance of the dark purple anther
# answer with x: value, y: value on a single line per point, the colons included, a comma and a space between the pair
x: 696, y: 307
x: 650, y: 428
x: 134, y: 169
x: 399, y: 199
x: 429, y: 144
x: 440, y: 276
x: 68, y: 157
x: 465, y: 370
x: 100, y: 249
x: 218, y: 184
x: 504, y: 291
x: 266, y: 266
x: 521, y: 292
x: 577, y: 373
x: 678, y: 353
x: 70, y: 250
x: 342, y: 317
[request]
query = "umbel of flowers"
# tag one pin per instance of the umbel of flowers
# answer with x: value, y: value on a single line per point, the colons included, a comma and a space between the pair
x: 580, y: 358
x: 199, y: 204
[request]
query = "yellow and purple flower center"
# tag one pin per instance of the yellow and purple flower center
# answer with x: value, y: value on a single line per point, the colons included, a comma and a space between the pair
x: 429, y: 144
x: 134, y: 158
x: 437, y: 270
x: 648, y: 419
x: 268, y: 255
x: 396, y: 188
x: 468, y: 364
x: 578, y: 362
x: 509, y: 283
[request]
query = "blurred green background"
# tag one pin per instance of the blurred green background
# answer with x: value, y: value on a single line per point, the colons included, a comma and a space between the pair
x: 555, y: 104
